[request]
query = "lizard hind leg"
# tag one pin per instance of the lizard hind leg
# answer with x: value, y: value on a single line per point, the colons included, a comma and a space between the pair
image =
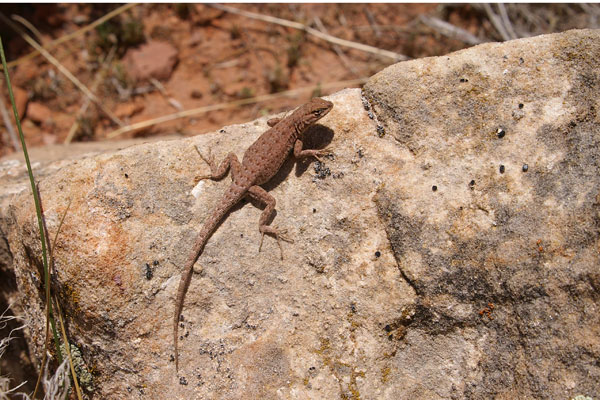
x: 262, y: 196
x: 218, y: 171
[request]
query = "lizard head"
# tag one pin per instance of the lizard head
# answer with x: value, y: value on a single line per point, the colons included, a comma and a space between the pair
x: 309, y: 113
x: 318, y: 108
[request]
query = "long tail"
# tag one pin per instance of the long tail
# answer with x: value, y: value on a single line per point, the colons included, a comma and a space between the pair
x: 228, y: 200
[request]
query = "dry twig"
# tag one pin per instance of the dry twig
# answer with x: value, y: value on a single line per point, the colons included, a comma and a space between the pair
x: 8, y: 124
x: 506, y: 21
x: 336, y: 48
x: 236, y: 103
x: 29, y: 26
x: 450, y: 30
x: 63, y: 70
x: 73, y: 35
x: 163, y: 92
x: 496, y: 22
x: 296, y: 25
x: 98, y: 79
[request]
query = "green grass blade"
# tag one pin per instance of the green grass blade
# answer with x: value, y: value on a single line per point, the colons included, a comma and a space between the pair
x: 36, y: 199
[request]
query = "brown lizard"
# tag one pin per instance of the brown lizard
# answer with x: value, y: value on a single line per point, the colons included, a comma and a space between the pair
x: 261, y: 162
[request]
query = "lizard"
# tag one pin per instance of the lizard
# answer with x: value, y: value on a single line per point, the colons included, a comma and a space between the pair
x: 261, y: 161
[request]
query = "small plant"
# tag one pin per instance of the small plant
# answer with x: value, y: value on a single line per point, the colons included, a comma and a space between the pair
x: 121, y: 32
x: 318, y: 92
x: 235, y: 32
x: 183, y: 10
x: 293, y: 50
x: 58, y: 385
x: 246, y: 93
x: 278, y: 79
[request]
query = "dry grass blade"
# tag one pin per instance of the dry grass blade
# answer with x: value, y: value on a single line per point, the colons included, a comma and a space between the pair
x: 336, y: 48
x: 4, y: 343
x: 237, y: 103
x: 496, y: 21
x: 29, y: 26
x: 97, y: 80
x: 450, y: 30
x: 8, y: 124
x: 62, y: 69
x: 163, y: 92
x: 34, y: 190
x: 73, y: 35
x: 296, y: 25
x: 506, y: 22
x: 68, y: 348
x: 47, y: 288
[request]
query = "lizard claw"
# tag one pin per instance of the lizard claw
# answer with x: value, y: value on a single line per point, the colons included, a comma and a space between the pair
x: 210, y: 160
x: 322, y: 153
x: 279, y: 236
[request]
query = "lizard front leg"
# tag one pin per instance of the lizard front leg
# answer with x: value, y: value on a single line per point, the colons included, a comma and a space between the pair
x: 299, y: 153
x: 217, y: 172
x: 273, y: 121
x: 260, y: 194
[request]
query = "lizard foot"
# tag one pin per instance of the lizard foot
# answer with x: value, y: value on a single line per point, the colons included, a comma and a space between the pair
x: 279, y: 236
x: 210, y: 160
x: 322, y: 153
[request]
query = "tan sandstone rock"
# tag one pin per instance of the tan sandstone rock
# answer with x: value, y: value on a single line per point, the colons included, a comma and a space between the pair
x: 486, y: 287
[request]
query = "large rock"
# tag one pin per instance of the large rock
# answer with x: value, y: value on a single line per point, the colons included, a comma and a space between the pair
x: 487, y: 287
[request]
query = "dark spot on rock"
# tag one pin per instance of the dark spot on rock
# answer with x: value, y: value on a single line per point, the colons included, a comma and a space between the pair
x: 502, y: 169
x: 500, y: 132
x: 521, y: 105
x: 378, y: 254
x: 525, y: 167
x: 434, y: 188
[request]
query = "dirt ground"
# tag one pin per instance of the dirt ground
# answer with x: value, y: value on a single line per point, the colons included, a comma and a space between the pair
x: 209, y: 56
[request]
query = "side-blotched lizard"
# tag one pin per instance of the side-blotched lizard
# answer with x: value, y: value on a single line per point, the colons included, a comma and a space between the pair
x: 261, y: 162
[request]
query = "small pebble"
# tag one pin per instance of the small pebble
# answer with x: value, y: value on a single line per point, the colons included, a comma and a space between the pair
x: 502, y: 169
x: 525, y: 167
x: 434, y: 188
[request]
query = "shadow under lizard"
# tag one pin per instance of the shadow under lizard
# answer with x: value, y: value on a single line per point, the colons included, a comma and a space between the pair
x: 261, y: 162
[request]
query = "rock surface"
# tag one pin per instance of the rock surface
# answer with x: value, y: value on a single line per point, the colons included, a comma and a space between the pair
x: 486, y: 287
x: 151, y: 60
x: 39, y: 113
